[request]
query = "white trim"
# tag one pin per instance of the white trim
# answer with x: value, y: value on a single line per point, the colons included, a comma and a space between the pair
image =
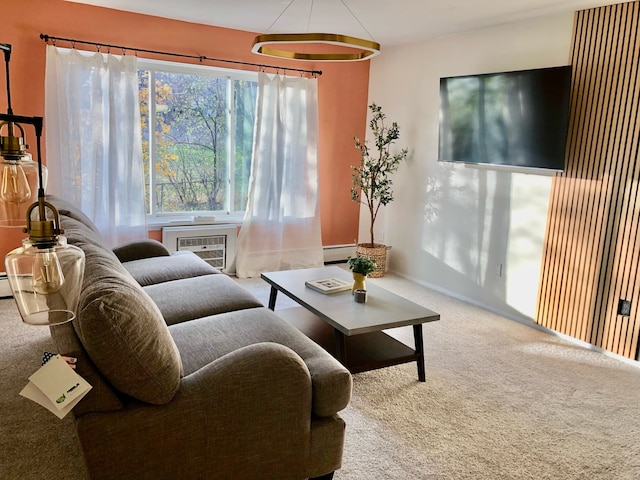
x: 5, y: 290
x: 197, y: 69
x: 523, y: 320
x: 338, y: 253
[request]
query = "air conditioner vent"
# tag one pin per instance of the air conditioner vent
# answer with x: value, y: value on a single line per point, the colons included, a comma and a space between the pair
x: 201, y: 242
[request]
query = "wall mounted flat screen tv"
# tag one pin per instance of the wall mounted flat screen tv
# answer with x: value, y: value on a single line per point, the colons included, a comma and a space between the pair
x: 514, y: 119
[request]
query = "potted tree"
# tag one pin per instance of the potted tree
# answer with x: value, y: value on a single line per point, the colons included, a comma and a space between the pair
x: 372, y: 185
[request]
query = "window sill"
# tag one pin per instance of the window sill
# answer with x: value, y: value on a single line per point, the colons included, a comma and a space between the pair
x: 158, y: 223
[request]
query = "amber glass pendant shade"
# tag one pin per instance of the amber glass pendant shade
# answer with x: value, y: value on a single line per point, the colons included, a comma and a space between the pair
x: 18, y: 189
x: 46, y: 282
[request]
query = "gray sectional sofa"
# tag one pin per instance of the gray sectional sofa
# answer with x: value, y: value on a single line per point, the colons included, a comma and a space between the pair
x: 193, y: 378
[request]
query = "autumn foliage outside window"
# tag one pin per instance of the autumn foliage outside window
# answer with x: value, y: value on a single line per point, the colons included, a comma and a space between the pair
x: 197, y: 138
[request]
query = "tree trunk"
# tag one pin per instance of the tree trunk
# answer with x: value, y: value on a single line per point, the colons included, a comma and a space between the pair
x: 373, y: 219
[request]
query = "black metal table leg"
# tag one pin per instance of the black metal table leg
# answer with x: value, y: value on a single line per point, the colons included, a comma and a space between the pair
x: 417, y: 335
x: 272, y: 298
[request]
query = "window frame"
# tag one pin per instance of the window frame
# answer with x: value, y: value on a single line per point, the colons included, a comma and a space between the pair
x: 230, y: 215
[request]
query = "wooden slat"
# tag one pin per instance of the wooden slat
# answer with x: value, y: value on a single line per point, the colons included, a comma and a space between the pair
x: 627, y: 254
x: 592, y: 248
x: 606, y: 336
x: 622, y: 267
x: 589, y: 191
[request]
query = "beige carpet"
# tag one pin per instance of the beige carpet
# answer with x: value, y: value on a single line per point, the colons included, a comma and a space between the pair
x: 502, y: 401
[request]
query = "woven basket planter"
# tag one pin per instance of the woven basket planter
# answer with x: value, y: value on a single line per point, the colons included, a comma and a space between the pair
x: 378, y: 253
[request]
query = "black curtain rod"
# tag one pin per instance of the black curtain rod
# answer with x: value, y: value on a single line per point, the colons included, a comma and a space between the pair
x: 49, y: 38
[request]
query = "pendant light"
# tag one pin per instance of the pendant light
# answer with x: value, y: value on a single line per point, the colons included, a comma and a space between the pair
x: 18, y: 172
x: 358, y: 48
x: 45, y: 274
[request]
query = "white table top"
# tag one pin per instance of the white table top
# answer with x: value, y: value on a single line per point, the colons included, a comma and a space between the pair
x: 382, y: 309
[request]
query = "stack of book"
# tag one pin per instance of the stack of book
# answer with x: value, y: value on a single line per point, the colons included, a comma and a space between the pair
x: 328, y: 285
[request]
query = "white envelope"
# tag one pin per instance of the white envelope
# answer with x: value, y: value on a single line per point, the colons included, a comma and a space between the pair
x: 56, y: 386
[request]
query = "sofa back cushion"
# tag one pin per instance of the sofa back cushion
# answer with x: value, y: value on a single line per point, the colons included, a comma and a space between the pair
x: 67, y: 209
x: 121, y: 328
x: 124, y: 333
x: 165, y: 268
x: 102, y: 397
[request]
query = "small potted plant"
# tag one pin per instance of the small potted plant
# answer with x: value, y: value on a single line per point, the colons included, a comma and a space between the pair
x: 360, y: 267
x: 372, y: 185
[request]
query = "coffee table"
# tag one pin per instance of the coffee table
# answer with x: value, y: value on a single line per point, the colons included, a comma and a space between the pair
x: 352, y: 332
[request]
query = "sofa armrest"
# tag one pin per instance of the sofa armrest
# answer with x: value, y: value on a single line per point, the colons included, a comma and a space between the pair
x: 140, y: 249
x: 253, y: 403
x: 204, y: 340
x: 259, y: 369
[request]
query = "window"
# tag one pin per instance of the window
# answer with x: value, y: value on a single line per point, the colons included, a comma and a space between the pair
x: 197, y: 137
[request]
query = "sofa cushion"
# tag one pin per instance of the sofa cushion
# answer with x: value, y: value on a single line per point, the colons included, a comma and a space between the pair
x: 184, y: 264
x: 137, y: 249
x: 206, y: 339
x: 123, y: 331
x: 102, y: 397
x: 204, y: 295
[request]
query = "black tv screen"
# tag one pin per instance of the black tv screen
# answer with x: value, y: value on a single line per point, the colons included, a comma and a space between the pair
x: 517, y: 119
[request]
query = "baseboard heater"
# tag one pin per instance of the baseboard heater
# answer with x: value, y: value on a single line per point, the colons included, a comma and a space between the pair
x: 338, y: 253
x: 5, y: 290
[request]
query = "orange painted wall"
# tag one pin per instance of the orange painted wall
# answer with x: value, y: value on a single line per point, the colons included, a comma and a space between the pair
x: 343, y: 88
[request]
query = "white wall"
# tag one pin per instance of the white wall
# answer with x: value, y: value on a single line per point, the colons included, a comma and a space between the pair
x: 474, y: 233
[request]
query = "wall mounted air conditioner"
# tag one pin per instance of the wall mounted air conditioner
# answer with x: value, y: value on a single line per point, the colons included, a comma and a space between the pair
x: 215, y: 244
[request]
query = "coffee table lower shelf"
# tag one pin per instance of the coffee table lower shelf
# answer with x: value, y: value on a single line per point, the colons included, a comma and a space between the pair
x: 359, y: 353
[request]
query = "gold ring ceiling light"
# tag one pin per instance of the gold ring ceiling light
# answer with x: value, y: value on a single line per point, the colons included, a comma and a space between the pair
x: 366, y: 49
x: 269, y: 44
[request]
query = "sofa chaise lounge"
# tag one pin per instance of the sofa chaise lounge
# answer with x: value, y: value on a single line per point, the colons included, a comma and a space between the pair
x: 193, y: 378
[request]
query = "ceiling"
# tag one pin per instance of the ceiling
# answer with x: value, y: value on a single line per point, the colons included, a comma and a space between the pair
x: 388, y: 22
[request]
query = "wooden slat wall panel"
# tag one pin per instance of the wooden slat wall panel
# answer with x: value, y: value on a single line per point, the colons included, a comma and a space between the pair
x: 622, y: 269
x: 592, y: 248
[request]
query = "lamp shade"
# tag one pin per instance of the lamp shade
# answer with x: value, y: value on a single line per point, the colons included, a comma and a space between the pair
x: 18, y: 188
x: 46, y: 282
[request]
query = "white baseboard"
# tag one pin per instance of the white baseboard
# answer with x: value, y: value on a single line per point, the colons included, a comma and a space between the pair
x: 5, y: 291
x: 338, y: 253
x: 521, y: 319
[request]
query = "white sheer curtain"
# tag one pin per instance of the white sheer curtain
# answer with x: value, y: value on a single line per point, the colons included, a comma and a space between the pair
x: 281, y: 228
x: 93, y: 140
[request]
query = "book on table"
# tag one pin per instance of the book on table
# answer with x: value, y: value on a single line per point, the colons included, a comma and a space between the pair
x: 328, y: 285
